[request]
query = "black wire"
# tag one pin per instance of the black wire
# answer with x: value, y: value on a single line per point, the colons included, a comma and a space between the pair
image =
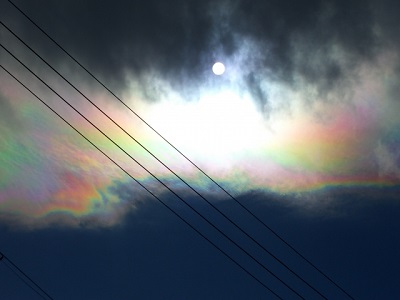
x: 188, y: 159
x: 167, y: 167
x: 156, y: 178
x: 24, y: 277
x: 144, y: 187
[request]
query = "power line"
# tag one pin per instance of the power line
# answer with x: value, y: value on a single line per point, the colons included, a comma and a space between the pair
x: 25, y: 278
x: 156, y: 178
x: 167, y: 167
x: 188, y: 159
x: 144, y: 187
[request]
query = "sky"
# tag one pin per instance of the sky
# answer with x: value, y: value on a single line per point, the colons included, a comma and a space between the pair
x: 302, y: 129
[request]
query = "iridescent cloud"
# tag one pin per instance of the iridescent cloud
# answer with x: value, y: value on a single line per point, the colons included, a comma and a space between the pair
x: 50, y: 175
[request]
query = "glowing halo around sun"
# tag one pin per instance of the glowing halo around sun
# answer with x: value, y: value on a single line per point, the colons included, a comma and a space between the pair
x: 218, y: 68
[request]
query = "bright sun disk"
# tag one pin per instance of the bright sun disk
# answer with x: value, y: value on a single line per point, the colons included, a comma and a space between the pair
x: 218, y: 68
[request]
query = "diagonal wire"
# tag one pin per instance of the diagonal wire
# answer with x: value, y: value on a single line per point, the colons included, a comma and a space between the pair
x: 266, y: 226
x: 25, y: 278
x: 157, y: 179
x: 167, y: 167
x: 144, y: 187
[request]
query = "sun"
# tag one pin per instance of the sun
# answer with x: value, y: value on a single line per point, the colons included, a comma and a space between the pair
x: 218, y: 68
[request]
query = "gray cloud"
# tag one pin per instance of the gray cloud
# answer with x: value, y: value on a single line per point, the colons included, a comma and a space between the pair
x: 6, y: 111
x: 8, y: 115
x: 388, y: 161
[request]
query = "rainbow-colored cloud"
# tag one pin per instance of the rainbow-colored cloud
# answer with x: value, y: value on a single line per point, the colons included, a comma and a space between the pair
x: 50, y: 175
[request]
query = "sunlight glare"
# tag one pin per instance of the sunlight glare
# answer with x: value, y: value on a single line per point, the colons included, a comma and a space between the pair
x: 218, y: 125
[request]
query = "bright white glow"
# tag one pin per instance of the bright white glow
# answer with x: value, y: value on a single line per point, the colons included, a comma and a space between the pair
x: 221, y: 125
x: 218, y: 68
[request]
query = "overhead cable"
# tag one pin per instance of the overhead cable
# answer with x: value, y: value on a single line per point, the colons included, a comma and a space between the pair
x: 25, y: 278
x: 167, y: 167
x: 265, y: 225
x: 156, y: 178
x: 144, y: 187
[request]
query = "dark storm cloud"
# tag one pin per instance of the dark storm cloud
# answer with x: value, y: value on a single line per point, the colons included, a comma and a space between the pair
x: 117, y: 37
x: 320, y: 42
x: 387, y: 14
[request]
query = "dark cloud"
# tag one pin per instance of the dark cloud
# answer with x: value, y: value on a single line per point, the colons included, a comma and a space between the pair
x: 113, y: 38
x: 320, y: 42
x: 386, y: 14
